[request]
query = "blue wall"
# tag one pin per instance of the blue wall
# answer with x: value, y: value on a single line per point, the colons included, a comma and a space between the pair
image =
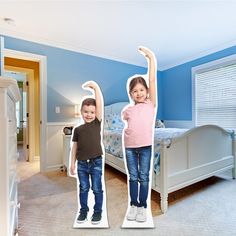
x: 176, y: 84
x: 68, y: 70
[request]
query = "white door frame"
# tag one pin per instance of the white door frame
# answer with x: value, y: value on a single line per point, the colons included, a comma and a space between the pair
x: 25, y: 122
x: 42, y: 60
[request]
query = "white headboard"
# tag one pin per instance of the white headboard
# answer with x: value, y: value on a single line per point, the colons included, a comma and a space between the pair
x: 115, y: 107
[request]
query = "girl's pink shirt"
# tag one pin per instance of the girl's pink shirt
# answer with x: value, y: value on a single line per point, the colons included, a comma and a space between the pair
x: 140, y: 118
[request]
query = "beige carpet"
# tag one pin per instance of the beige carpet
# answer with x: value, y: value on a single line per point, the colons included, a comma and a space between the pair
x: 49, y: 204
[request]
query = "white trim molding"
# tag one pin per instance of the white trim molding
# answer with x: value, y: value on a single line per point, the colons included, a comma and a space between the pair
x: 43, y: 96
x: 55, y: 145
x: 61, y: 123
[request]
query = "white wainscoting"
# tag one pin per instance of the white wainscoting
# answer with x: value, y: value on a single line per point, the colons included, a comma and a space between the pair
x: 55, y: 145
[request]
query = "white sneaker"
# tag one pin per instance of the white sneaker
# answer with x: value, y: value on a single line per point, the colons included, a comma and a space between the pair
x: 132, y: 213
x: 141, y: 214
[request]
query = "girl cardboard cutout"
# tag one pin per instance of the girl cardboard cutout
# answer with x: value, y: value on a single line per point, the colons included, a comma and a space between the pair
x: 139, y: 118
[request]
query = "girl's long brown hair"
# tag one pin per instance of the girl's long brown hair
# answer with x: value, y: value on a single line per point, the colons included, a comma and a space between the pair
x: 137, y: 80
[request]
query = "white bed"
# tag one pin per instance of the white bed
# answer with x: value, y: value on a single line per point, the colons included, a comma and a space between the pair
x: 185, y: 157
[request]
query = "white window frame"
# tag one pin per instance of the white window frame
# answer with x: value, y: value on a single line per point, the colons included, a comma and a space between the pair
x: 206, y: 67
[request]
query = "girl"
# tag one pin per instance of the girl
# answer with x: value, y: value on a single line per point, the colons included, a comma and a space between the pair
x: 138, y: 137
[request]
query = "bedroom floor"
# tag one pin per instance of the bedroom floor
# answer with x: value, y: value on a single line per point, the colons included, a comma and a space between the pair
x: 49, y: 204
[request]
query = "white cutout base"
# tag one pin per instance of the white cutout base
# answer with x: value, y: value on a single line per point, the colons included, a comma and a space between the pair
x: 88, y: 224
x: 134, y: 224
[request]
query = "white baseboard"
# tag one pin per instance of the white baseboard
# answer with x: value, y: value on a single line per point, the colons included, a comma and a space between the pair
x: 54, y: 168
x: 61, y: 123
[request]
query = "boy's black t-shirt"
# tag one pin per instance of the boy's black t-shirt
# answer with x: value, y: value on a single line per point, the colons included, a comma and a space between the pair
x: 88, y: 140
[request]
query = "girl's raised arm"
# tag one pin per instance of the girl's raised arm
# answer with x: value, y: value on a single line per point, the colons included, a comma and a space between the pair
x: 152, y: 73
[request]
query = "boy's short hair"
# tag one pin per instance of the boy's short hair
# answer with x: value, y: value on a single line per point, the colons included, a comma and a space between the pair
x: 88, y: 102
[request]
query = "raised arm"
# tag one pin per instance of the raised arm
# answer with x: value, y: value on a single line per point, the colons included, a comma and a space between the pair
x: 152, y: 73
x: 98, y: 97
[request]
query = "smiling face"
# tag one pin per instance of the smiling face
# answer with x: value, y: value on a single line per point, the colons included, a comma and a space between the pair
x: 139, y: 93
x: 88, y: 113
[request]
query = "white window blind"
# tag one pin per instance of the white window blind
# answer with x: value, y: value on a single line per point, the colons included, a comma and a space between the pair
x: 215, y: 97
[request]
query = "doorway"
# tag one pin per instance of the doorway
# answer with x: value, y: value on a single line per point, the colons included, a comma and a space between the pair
x: 34, y: 66
x: 27, y: 74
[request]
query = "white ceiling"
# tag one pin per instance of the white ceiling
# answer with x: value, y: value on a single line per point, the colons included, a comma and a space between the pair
x: 176, y: 31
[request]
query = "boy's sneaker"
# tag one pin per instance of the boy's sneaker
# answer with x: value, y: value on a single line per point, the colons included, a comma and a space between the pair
x: 82, y: 217
x: 96, y: 218
x: 141, y: 214
x: 132, y: 213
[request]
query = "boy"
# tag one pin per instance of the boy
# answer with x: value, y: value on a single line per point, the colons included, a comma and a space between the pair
x: 87, y: 150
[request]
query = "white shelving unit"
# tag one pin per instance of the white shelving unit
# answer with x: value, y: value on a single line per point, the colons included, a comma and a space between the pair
x: 9, y: 95
x: 66, y: 152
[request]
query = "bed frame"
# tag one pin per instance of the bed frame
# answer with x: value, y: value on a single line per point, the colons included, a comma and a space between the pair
x: 197, y: 154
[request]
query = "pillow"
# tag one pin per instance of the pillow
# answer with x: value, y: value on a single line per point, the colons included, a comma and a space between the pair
x: 159, y: 124
x: 113, y: 121
x: 115, y: 108
x: 117, y: 122
x: 108, y: 121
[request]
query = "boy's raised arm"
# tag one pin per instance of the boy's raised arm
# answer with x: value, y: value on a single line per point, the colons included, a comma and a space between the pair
x: 152, y: 73
x: 98, y: 98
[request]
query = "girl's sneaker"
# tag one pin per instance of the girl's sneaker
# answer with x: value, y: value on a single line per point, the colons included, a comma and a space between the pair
x: 141, y: 214
x: 132, y: 213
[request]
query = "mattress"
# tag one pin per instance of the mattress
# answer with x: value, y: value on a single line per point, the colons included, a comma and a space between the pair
x: 112, y: 140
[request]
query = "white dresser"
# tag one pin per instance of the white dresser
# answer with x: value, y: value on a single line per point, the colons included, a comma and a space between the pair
x: 9, y: 95
x: 66, y: 153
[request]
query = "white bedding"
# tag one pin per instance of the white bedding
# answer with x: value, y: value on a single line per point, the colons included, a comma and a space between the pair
x: 112, y: 140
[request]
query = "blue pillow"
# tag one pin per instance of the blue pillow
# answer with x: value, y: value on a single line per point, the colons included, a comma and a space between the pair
x: 117, y: 122
x: 113, y: 121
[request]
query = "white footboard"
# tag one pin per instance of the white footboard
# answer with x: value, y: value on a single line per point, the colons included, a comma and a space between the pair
x: 196, y: 155
x: 115, y: 162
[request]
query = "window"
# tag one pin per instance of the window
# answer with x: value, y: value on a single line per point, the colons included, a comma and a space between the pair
x: 214, y: 93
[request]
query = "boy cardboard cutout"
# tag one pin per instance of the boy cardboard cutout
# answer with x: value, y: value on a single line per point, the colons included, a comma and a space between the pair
x: 87, y: 157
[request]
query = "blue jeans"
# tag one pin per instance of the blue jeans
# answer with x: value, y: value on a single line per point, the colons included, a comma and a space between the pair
x: 86, y: 169
x: 138, y: 163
